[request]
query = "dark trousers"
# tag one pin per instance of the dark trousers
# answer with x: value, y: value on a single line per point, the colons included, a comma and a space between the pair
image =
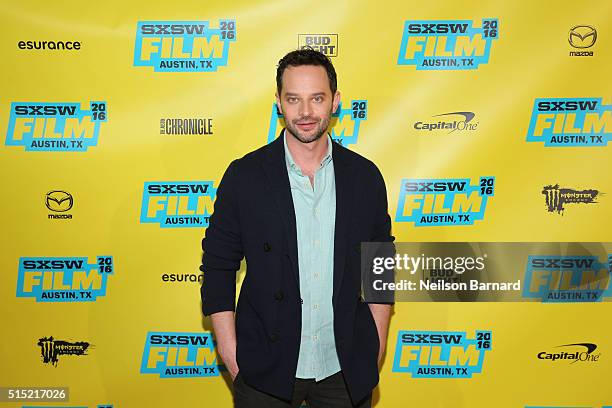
x: 330, y: 392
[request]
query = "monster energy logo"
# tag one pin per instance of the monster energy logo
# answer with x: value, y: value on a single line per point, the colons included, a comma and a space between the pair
x: 557, y: 197
x: 50, y: 349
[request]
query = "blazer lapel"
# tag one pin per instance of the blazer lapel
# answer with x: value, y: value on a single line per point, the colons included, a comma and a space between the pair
x: 344, y: 208
x: 278, y: 180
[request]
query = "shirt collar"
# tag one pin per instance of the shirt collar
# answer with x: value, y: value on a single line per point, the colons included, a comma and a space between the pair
x: 291, y: 163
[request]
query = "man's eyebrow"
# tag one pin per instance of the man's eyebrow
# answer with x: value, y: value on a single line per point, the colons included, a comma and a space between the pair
x: 314, y: 94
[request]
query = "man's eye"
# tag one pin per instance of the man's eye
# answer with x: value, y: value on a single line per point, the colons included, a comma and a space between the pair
x: 318, y: 99
x: 291, y: 100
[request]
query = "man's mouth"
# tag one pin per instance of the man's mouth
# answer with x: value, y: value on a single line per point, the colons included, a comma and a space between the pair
x: 306, y: 125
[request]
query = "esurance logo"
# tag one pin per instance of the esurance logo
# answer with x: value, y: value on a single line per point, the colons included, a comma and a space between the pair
x: 439, y: 354
x: 557, y: 197
x: 51, y: 126
x: 177, y: 204
x: 63, y: 279
x: 51, y: 349
x: 447, y: 44
x: 449, y: 122
x: 572, y: 353
x: 173, y: 355
x: 346, y: 122
x: 567, y: 278
x: 434, y: 202
x: 183, y: 46
x: 570, y: 122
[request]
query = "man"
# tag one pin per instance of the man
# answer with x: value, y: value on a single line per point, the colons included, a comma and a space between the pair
x: 298, y: 210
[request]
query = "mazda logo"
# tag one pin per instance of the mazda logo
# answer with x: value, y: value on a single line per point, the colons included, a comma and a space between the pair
x: 58, y: 200
x: 582, y: 36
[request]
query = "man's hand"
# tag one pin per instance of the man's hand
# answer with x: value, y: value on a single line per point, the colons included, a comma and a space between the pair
x: 225, y: 333
x: 381, y: 314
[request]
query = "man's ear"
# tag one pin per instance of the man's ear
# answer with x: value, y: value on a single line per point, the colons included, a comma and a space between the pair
x: 336, y: 101
x: 279, y: 109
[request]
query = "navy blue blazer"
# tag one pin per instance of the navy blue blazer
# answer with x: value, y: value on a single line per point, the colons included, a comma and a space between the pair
x: 254, y: 218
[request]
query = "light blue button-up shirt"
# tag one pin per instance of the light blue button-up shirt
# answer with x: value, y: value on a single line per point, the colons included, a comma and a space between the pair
x: 315, y: 216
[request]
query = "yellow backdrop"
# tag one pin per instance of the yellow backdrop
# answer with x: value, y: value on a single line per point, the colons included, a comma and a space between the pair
x: 116, y: 141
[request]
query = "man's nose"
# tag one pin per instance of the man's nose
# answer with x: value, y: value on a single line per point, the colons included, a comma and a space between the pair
x: 305, y: 108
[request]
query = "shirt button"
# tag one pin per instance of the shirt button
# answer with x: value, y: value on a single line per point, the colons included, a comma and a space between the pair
x: 316, y: 275
x: 315, y: 306
x: 315, y: 337
x: 316, y: 242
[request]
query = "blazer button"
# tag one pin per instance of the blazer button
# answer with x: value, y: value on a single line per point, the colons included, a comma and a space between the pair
x: 279, y: 295
x: 267, y: 247
x: 273, y: 337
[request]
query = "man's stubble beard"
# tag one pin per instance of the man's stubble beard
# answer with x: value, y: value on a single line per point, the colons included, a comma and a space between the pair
x: 321, y: 129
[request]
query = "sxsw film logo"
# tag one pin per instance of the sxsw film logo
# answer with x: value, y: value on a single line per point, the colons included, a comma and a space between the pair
x: 565, y: 278
x: 582, y: 37
x: 183, y: 46
x: 344, y: 127
x: 173, y: 355
x: 570, y: 122
x: 447, y: 44
x: 63, y: 279
x: 440, y: 354
x: 557, y: 197
x: 59, y: 202
x: 572, y: 353
x: 436, y: 202
x: 51, y: 349
x: 449, y: 122
x: 52, y: 127
x: 326, y: 44
x: 177, y: 204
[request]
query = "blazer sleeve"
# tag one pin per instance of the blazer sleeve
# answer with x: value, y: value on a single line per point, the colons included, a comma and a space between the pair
x: 222, y: 248
x: 383, y: 243
x: 382, y: 221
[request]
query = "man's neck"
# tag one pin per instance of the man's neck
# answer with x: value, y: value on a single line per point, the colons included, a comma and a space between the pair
x: 307, y: 156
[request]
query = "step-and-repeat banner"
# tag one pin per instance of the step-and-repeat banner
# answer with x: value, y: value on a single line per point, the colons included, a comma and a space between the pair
x: 490, y: 121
